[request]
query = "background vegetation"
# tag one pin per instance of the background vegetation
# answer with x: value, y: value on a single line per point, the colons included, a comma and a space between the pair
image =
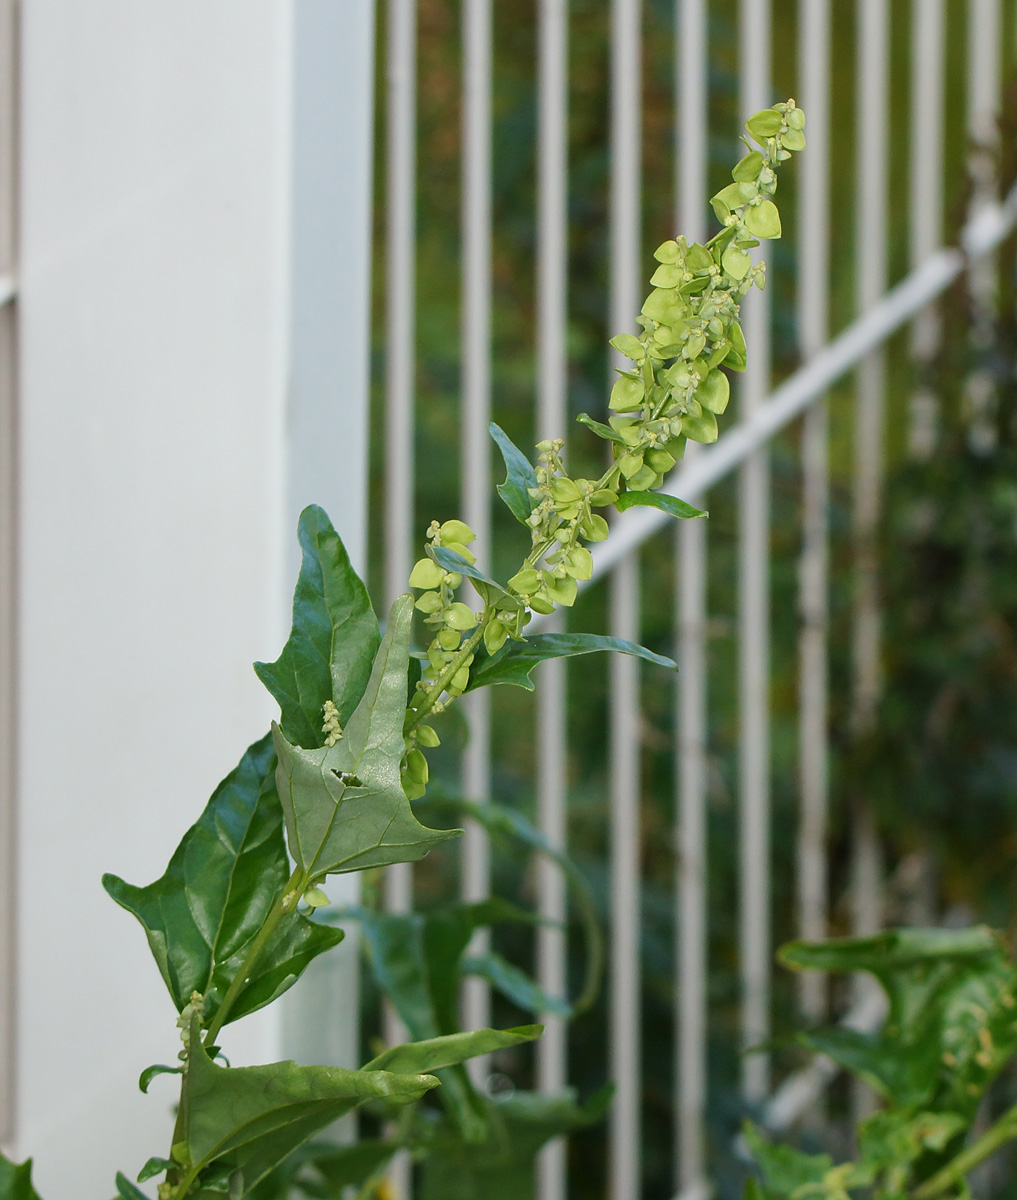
x: 941, y: 765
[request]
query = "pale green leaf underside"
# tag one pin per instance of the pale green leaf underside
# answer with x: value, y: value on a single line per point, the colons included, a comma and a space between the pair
x: 446, y: 1051
x: 344, y: 804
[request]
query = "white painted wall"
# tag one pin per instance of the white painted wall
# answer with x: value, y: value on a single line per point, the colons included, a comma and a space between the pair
x: 156, y: 511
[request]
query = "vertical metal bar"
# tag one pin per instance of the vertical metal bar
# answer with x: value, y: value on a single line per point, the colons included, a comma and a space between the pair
x: 8, y: 572
x: 400, y: 372
x: 476, y: 415
x: 870, y: 243
x: 983, y: 68
x: 690, y: 711
x: 625, y: 1024
x: 813, y: 321
x: 754, y: 624
x: 926, y: 200
x: 552, y: 249
x: 400, y: 293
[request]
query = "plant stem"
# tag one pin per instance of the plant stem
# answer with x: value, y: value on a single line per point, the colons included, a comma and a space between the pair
x: 286, y: 902
x: 415, y: 715
x: 1003, y: 1131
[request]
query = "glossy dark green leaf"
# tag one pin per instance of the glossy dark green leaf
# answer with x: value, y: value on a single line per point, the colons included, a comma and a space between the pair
x: 344, y: 804
x: 668, y: 504
x: 150, y: 1073
x: 16, y: 1180
x: 127, y: 1190
x: 515, y: 662
x: 247, y: 1119
x: 503, y: 1167
x: 333, y: 640
x: 223, y: 878
x: 520, y: 477
x: 432, y: 1054
x: 515, y: 985
x: 491, y: 591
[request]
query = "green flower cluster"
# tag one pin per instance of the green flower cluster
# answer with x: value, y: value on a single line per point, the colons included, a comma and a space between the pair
x: 673, y: 392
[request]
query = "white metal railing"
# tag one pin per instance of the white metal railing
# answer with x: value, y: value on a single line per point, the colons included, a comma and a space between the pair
x: 8, y: 551
x: 880, y: 311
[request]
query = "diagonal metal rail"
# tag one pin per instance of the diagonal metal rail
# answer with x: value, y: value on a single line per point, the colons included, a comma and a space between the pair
x: 692, y: 479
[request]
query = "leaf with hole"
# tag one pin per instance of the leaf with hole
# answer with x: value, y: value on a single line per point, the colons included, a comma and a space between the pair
x: 345, y: 806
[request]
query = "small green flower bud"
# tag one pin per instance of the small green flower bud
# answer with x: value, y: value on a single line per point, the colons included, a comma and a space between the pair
x: 541, y: 603
x: 315, y: 898
x: 448, y: 639
x: 457, y: 531
x: 429, y: 602
x: 458, y: 616
x: 495, y: 636
x: 564, y: 491
x: 427, y: 737
x: 460, y: 680
x: 525, y: 581
x: 580, y: 563
x: 416, y: 767
x: 426, y: 574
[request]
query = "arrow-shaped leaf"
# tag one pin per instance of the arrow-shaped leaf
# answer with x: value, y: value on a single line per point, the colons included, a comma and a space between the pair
x: 333, y: 640
x: 668, y: 504
x: 16, y: 1180
x: 344, y: 804
x: 247, y: 1119
x: 516, y: 660
x: 221, y: 882
x: 520, y: 477
x: 453, y: 1048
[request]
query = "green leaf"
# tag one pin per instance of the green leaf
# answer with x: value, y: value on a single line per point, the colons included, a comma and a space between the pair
x: 333, y: 640
x: 784, y: 1168
x: 337, y: 1167
x: 16, y: 1180
x: 127, y: 1189
x: 505, y: 823
x: 764, y: 124
x: 446, y: 1051
x: 515, y: 662
x: 155, y: 1166
x: 150, y: 1073
x: 520, y: 477
x: 630, y: 346
x: 416, y: 960
x: 763, y: 220
x: 736, y: 262
x: 950, y: 1023
x: 601, y: 430
x: 714, y: 392
x: 515, y: 985
x: 221, y: 882
x: 747, y: 169
x: 344, y: 804
x: 700, y: 427
x: 503, y: 1167
x: 669, y: 504
x: 490, y: 591
x: 248, y: 1118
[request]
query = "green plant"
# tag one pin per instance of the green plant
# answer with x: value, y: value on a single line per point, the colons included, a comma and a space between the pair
x: 950, y: 1029
x: 234, y: 920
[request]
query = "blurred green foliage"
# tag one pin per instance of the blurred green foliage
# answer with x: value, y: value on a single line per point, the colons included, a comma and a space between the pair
x: 930, y: 790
